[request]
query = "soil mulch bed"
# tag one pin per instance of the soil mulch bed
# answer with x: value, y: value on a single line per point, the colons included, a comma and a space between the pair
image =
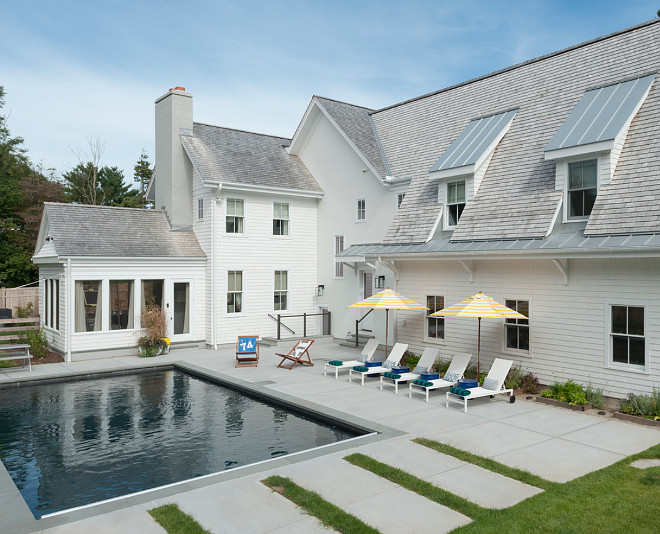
x: 50, y: 357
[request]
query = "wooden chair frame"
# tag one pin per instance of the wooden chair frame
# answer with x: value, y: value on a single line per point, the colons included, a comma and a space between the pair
x: 296, y: 357
x: 247, y: 358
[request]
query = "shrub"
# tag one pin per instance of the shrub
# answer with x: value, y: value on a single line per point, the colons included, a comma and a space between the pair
x: 644, y: 405
x: 154, y: 327
x: 440, y: 366
x: 37, y: 341
x: 594, y: 396
x: 570, y: 392
x: 25, y: 313
x: 529, y: 383
x: 513, y: 378
x: 410, y: 359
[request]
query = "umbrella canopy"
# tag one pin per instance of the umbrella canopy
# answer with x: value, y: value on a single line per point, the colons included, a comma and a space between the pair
x: 479, y: 306
x: 388, y: 299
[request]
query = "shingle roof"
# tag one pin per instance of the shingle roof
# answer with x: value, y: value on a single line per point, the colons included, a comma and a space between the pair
x: 83, y: 230
x: 517, y: 196
x: 237, y: 157
x: 356, y: 124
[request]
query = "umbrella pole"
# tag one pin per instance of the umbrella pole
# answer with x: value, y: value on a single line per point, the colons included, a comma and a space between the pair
x: 386, y: 329
x: 478, y: 349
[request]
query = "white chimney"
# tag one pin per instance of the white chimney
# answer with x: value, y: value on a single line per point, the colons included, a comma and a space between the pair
x: 173, y: 169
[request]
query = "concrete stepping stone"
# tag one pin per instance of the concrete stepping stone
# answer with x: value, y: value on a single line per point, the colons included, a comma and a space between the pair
x: 645, y: 463
x: 373, y: 499
x: 469, y: 481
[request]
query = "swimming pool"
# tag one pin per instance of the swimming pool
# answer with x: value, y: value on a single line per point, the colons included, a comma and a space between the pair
x: 68, y: 444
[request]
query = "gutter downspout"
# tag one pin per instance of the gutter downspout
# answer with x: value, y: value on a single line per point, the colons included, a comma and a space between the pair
x: 214, y: 231
x: 69, y: 307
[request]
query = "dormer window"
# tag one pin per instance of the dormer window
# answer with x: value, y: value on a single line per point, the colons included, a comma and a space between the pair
x: 587, y: 146
x: 455, y: 202
x: 582, y: 188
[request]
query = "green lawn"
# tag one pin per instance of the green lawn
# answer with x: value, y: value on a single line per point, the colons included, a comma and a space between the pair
x: 174, y: 521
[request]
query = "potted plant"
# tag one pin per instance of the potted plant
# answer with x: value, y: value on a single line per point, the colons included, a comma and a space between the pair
x: 153, y: 340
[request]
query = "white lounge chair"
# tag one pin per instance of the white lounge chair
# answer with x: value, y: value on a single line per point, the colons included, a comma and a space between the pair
x: 366, y: 355
x: 425, y: 363
x: 393, y: 359
x: 493, y: 385
x: 455, y: 371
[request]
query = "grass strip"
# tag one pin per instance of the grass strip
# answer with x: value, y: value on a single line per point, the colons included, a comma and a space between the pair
x: 487, y: 463
x: 419, y: 486
x: 172, y: 519
x: 330, y: 515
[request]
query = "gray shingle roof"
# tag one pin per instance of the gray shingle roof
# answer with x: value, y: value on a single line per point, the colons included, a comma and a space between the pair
x: 237, y: 157
x: 82, y: 230
x: 356, y: 124
x: 517, y: 197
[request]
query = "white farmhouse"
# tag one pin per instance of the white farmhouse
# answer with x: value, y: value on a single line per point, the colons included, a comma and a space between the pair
x: 536, y: 184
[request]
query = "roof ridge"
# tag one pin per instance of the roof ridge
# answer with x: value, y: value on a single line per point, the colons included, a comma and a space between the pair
x: 241, y: 131
x: 523, y: 64
x: 100, y: 206
x: 342, y: 102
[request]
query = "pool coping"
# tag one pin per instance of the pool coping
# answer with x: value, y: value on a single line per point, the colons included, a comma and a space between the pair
x: 15, y: 515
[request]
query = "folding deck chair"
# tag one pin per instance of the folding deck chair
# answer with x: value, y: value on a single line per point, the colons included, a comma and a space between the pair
x: 247, y: 351
x: 297, y: 355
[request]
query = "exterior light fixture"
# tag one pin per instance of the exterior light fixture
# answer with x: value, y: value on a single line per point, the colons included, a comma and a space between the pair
x: 380, y: 282
x: 319, y: 290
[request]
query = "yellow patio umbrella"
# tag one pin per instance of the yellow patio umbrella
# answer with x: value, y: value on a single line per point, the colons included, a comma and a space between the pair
x: 479, y: 306
x: 387, y: 300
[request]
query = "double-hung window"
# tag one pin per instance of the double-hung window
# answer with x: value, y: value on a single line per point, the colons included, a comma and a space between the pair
x: 455, y: 201
x: 435, y: 326
x: 235, y: 216
x: 339, y: 247
x: 200, y: 208
x: 517, y: 330
x: 361, y: 214
x: 234, y: 291
x: 280, y: 218
x: 281, y: 290
x: 582, y: 188
x: 628, y: 344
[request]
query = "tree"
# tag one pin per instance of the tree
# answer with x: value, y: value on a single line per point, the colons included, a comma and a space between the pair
x: 23, y: 190
x: 113, y: 191
x: 142, y: 175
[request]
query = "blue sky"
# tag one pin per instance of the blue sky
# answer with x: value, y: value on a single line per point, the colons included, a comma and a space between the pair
x: 79, y: 70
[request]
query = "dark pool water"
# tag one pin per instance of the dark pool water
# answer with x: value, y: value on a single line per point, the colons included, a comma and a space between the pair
x: 75, y: 443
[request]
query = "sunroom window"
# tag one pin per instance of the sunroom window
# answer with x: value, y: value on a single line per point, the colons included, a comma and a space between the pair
x: 582, y: 187
x: 455, y: 202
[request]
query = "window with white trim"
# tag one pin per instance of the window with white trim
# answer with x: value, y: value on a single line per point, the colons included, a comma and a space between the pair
x: 339, y: 247
x: 399, y: 199
x: 627, y: 341
x: 582, y: 188
x: 361, y: 214
x: 200, y: 208
x: 52, y: 303
x: 281, y: 290
x: 235, y: 216
x: 122, y: 311
x: 516, y: 331
x: 455, y: 201
x: 280, y: 218
x: 234, y: 291
x: 435, y: 326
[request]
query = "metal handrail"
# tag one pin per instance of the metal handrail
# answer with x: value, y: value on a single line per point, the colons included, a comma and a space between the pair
x: 304, y: 316
x: 357, y: 327
x: 278, y: 321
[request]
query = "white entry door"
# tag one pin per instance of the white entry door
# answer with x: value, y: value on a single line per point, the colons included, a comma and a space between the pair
x: 181, y: 316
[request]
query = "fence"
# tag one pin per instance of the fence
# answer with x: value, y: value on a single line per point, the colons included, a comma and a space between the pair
x: 11, y: 329
x: 15, y: 297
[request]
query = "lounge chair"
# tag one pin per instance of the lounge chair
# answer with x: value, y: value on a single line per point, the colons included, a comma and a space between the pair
x: 366, y: 355
x: 297, y: 355
x: 425, y: 363
x: 393, y: 359
x: 493, y: 385
x: 455, y: 371
x: 247, y: 351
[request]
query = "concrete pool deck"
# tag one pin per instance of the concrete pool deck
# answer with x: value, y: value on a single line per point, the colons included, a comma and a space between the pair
x: 551, y: 442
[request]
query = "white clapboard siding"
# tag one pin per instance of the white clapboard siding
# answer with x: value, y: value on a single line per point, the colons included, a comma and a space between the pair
x: 569, y: 337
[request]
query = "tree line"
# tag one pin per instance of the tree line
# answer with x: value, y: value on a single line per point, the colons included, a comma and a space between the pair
x: 24, y: 187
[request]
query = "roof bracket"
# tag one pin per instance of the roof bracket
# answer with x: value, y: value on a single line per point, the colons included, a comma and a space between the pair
x: 351, y: 265
x: 391, y: 266
x: 562, y: 266
x: 469, y: 267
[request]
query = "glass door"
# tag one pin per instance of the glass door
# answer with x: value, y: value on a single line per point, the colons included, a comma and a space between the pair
x: 181, y: 315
